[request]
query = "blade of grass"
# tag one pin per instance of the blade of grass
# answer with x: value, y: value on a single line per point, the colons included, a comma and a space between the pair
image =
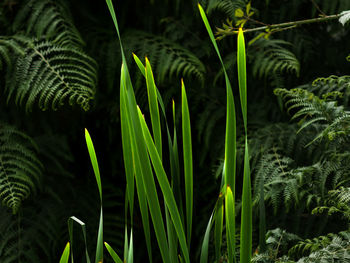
x: 188, y: 166
x: 65, y: 254
x: 126, y: 245
x: 230, y: 142
x: 205, y: 243
x: 99, y: 246
x: 139, y: 64
x: 127, y: 135
x: 230, y: 224
x: 246, y: 214
x: 113, y: 254
x: 144, y: 169
x: 153, y: 107
x: 230, y: 138
x: 172, y: 238
x: 165, y: 187
x: 219, y: 218
x: 94, y: 162
x: 93, y: 158
x: 71, y: 221
x: 242, y: 75
x: 127, y: 154
x: 131, y: 249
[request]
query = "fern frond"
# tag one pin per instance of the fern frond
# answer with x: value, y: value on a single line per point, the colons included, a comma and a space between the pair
x: 20, y: 169
x: 168, y: 58
x: 9, y: 49
x: 312, y: 109
x: 331, y: 84
x: 48, y: 19
x: 49, y: 75
x: 228, y: 7
x: 329, y: 248
x: 271, y: 57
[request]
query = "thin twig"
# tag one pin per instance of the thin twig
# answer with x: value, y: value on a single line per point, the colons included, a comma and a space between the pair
x: 286, y: 24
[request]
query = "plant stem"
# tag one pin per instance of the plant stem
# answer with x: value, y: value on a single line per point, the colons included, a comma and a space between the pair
x: 232, y: 31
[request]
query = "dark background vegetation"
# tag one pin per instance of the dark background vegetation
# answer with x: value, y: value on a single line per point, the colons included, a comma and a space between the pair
x: 171, y: 34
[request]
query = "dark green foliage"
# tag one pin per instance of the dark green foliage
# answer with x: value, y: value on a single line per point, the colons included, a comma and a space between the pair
x: 271, y: 57
x: 330, y: 248
x: 48, y: 19
x: 48, y: 75
x: 168, y: 58
x: 53, y: 52
x: 20, y: 168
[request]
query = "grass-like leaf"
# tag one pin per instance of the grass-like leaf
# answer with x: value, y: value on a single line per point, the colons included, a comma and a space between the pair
x: 65, y: 254
x: 165, y: 187
x: 113, y: 254
x: 188, y: 166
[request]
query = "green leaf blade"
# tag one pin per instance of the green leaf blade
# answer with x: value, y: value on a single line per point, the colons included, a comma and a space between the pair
x: 188, y: 163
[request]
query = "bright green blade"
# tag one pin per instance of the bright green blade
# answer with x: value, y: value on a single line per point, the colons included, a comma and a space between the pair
x: 172, y: 238
x: 246, y: 214
x: 113, y: 254
x: 65, y: 254
x: 94, y: 163
x: 219, y: 218
x: 144, y: 170
x: 99, y: 245
x: 188, y: 166
x: 153, y: 107
x: 139, y: 64
x: 114, y: 18
x: 126, y: 244
x: 242, y: 75
x: 165, y: 187
x: 127, y: 155
x: 131, y: 249
x: 127, y: 134
x: 230, y: 224
x: 230, y: 138
x: 205, y: 244
x: 71, y: 221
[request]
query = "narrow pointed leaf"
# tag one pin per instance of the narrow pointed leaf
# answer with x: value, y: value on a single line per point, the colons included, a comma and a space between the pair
x: 65, y: 254
x: 99, y: 245
x: 230, y: 225
x: 188, y: 166
x: 246, y: 214
x: 139, y: 65
x: 94, y: 162
x: 205, y: 243
x: 165, y: 187
x: 153, y: 107
x: 113, y: 254
x: 128, y: 135
x: 242, y: 76
x: 71, y: 221
x: 219, y: 220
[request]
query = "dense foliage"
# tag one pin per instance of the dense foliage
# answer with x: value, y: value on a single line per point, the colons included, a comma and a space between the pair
x: 60, y: 69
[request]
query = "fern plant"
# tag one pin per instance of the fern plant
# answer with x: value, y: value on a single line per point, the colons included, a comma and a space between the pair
x: 50, y: 20
x: 47, y: 75
x: 271, y: 57
x: 20, y: 168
